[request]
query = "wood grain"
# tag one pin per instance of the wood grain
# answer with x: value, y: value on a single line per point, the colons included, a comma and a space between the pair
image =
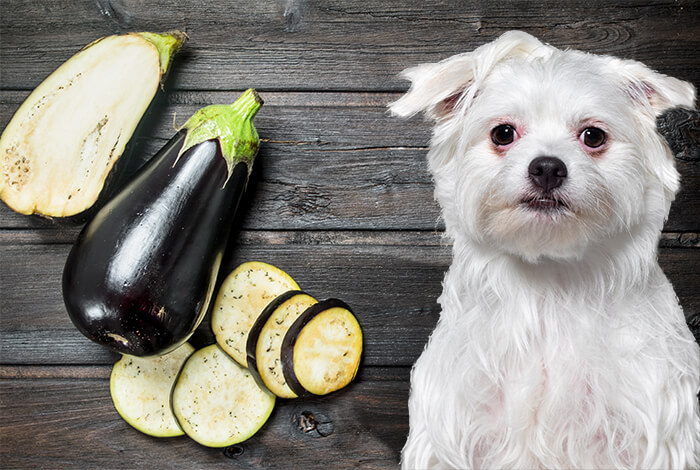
x: 73, y: 424
x: 329, y: 161
x: 392, y: 290
x: 392, y: 285
x: 339, y: 44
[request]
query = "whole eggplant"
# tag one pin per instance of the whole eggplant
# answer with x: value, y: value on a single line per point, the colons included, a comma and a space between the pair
x: 142, y: 272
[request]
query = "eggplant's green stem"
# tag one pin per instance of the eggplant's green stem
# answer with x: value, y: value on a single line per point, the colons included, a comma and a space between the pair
x: 167, y: 45
x: 232, y: 125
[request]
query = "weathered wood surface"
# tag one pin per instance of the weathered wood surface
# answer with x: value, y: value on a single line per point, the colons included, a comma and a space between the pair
x: 329, y: 161
x: 64, y: 418
x: 392, y: 290
x: 340, y: 199
x: 391, y: 281
x: 339, y: 44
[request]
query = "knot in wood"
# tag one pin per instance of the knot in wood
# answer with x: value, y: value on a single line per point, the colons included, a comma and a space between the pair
x: 314, y: 424
x: 694, y: 325
x: 681, y: 129
x: 117, y: 11
x: 293, y: 14
x: 234, y: 451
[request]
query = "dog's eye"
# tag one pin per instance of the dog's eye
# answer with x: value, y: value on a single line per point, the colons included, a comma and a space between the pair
x: 503, y: 134
x: 593, y: 137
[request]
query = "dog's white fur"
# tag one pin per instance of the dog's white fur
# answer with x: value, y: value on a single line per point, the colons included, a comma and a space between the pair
x: 560, y: 344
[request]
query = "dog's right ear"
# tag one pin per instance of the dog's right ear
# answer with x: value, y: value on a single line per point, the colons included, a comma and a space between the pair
x: 440, y: 88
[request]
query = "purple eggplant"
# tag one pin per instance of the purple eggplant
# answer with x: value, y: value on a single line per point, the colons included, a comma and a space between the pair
x: 142, y: 272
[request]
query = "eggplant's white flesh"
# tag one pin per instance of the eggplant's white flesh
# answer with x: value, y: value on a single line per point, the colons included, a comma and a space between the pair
x: 217, y: 402
x: 322, y: 349
x: 141, y: 389
x: 62, y: 142
x: 268, y: 344
x: 242, y: 297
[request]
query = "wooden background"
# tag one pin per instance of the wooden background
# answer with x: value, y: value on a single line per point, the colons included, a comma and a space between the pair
x: 340, y: 199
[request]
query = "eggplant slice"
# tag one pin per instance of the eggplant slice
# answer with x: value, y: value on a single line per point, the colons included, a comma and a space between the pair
x: 257, y: 327
x: 265, y: 340
x: 62, y: 142
x: 141, y: 388
x: 321, y: 351
x: 242, y: 297
x: 217, y: 402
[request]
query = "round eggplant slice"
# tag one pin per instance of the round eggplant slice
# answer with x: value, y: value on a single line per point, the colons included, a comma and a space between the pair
x: 141, y: 387
x: 241, y: 298
x: 322, y: 350
x: 265, y: 340
x: 217, y: 402
x: 257, y: 327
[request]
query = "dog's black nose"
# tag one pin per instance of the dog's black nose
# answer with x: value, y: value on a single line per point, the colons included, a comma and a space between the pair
x: 547, y: 172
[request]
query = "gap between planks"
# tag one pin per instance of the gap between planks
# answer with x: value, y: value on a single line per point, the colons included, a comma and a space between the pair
x: 52, y: 235
x: 306, y: 99
x: 102, y: 372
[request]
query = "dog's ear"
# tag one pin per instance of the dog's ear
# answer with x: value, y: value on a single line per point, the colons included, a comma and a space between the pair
x: 654, y: 91
x: 437, y: 89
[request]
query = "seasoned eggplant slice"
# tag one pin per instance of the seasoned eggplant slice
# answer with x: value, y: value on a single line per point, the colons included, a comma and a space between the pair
x: 217, y: 402
x: 321, y: 351
x: 265, y: 340
x: 62, y: 142
x: 254, y: 333
x: 141, y: 388
x: 242, y: 297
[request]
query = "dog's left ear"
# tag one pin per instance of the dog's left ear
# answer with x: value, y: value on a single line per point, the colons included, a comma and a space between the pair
x: 656, y: 92
x: 437, y: 89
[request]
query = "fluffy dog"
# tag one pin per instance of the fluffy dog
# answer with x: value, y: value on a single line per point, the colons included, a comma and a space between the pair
x: 561, y: 343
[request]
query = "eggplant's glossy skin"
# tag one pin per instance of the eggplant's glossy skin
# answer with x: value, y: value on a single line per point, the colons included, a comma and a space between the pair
x: 141, y: 275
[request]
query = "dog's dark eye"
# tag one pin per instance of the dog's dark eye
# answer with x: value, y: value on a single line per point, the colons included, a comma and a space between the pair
x: 593, y: 137
x: 503, y: 134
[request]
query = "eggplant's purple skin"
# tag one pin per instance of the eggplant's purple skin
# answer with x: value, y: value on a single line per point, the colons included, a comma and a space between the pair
x: 256, y: 329
x: 141, y: 275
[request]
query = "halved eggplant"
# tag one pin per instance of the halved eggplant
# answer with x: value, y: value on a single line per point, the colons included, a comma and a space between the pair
x: 321, y: 351
x: 217, y: 402
x: 265, y: 340
x: 141, y: 274
x: 62, y: 142
x: 242, y: 297
x: 141, y: 389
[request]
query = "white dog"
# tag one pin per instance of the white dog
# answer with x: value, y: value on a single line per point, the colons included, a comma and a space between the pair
x: 561, y: 343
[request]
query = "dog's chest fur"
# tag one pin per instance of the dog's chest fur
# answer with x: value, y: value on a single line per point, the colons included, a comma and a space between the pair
x: 545, y: 374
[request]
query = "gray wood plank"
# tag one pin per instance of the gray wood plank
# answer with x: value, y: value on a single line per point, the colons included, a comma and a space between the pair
x: 329, y: 161
x: 70, y: 422
x: 339, y: 44
x: 329, y: 121
x: 392, y: 290
x: 391, y: 284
